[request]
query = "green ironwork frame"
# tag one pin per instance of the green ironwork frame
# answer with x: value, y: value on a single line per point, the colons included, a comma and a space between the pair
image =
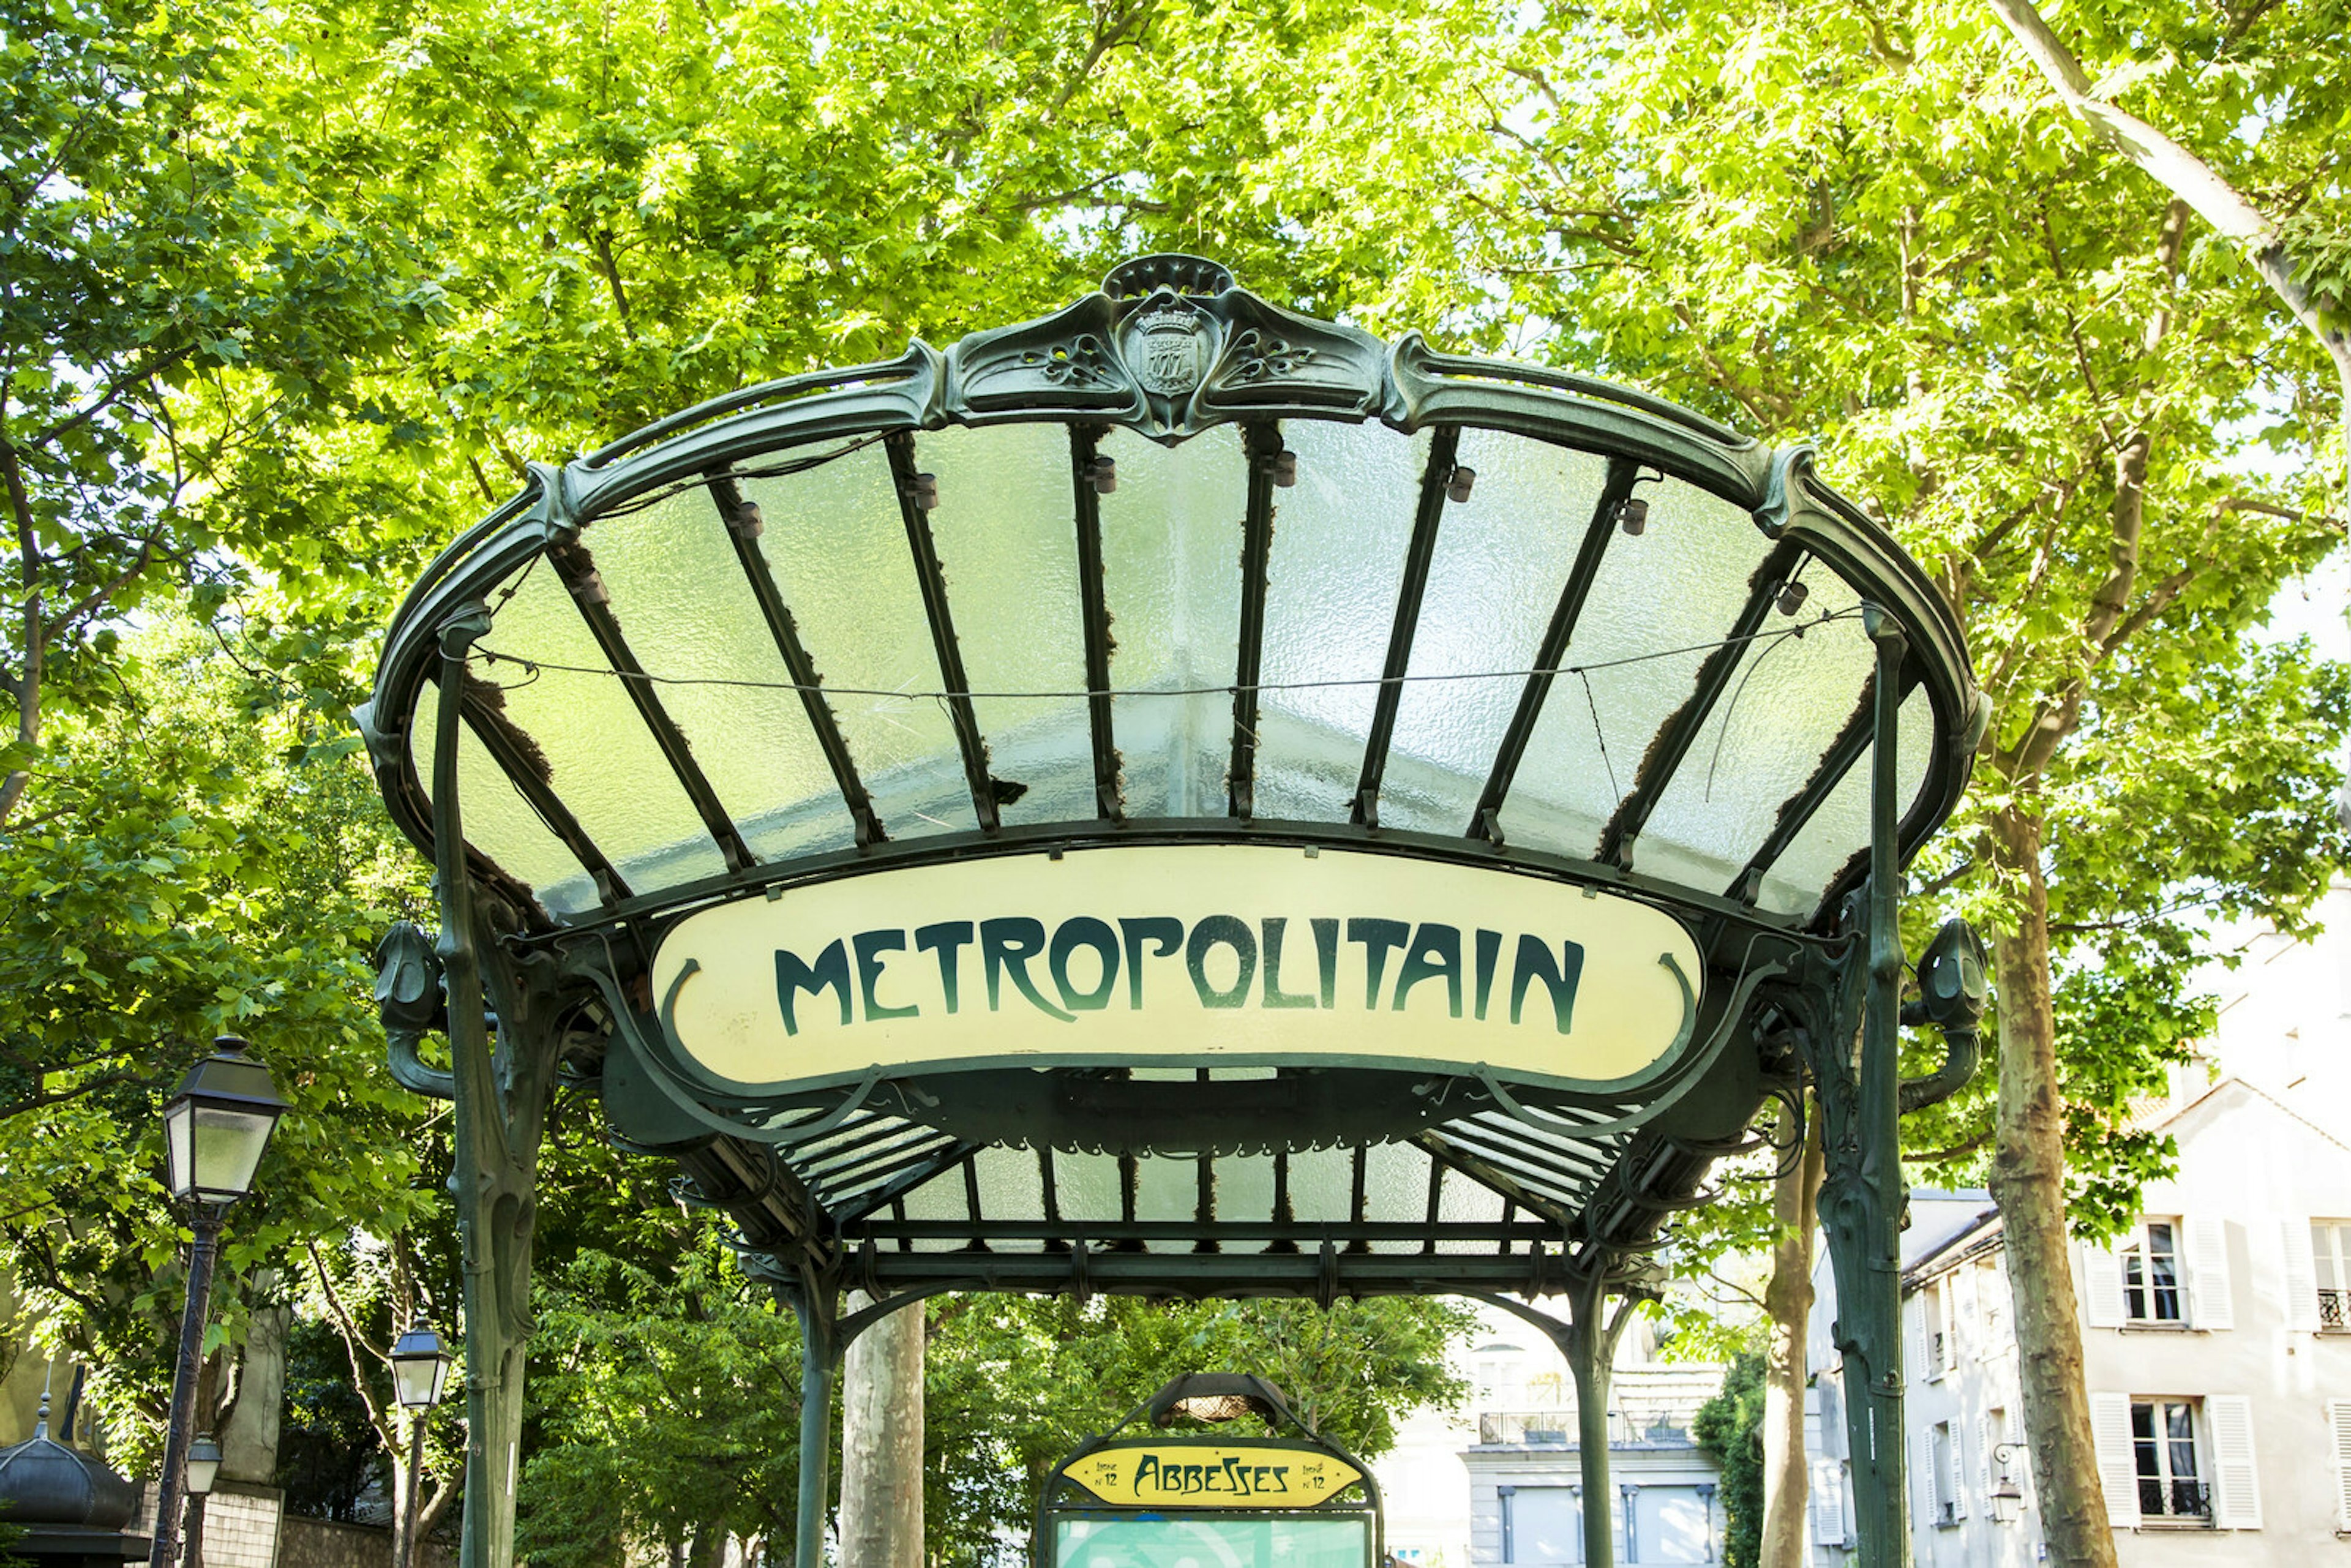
x: 1787, y: 999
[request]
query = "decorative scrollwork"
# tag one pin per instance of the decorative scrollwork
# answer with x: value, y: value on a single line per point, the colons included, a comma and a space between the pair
x: 1259, y: 356
x: 1079, y: 362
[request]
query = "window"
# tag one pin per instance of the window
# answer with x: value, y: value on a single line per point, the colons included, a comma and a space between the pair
x: 1991, y: 1302
x: 2000, y: 1460
x: 1939, y: 1329
x: 2330, y: 1249
x: 2163, y: 1446
x: 1541, y: 1524
x: 1943, y: 1473
x: 1669, y: 1524
x: 2151, y: 1292
x: 1497, y: 1366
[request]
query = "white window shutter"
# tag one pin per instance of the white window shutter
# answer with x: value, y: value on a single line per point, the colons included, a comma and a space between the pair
x: 2117, y: 1466
x: 1959, y: 1471
x: 1828, y: 1502
x: 1932, y: 1511
x: 2102, y: 1287
x: 2212, y: 1303
x: 2338, y: 1424
x: 1995, y: 1308
x: 1963, y: 1311
x: 2236, y: 1492
x: 2301, y: 1279
x: 1918, y: 1341
x: 1984, y: 1458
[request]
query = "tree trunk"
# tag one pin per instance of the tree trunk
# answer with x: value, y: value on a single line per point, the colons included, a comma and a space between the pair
x: 248, y: 1434
x: 2028, y: 1182
x: 882, y: 1442
x: 1788, y: 1306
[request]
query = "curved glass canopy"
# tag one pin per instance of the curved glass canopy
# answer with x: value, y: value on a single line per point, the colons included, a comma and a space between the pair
x: 1174, y: 567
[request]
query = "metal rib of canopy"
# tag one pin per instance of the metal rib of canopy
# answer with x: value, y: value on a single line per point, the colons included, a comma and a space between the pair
x: 1177, y: 566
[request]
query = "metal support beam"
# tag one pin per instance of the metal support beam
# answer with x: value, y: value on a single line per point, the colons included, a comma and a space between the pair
x: 817, y: 1304
x: 572, y: 562
x: 1862, y: 1196
x: 498, y: 737
x: 1681, y: 731
x: 1262, y: 446
x: 1484, y: 821
x: 1085, y: 496
x: 742, y: 520
x: 961, y: 716
x: 501, y: 1092
x: 1417, y: 557
x: 1587, y: 1339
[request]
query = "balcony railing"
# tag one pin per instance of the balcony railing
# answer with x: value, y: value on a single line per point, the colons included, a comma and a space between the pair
x: 2177, y: 1498
x: 1558, y: 1425
x: 2331, y: 1305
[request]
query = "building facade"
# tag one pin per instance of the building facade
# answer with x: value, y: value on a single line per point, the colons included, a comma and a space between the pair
x: 1500, y: 1483
x: 2216, y: 1349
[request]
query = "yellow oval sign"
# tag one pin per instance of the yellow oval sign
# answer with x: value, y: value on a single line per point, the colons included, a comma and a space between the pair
x: 1238, y: 954
x: 1213, y: 1475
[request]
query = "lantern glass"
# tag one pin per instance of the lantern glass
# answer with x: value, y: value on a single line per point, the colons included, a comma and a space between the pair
x: 215, y: 1128
x: 419, y: 1370
x: 203, y: 1465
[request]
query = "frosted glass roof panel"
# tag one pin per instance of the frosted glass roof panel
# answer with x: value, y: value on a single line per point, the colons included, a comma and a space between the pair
x: 1493, y: 583
x: 835, y: 544
x: 1839, y: 830
x: 1008, y: 543
x: 1793, y: 691
x: 836, y: 562
x: 1357, y: 488
x: 502, y: 824
x: 1172, y: 583
x: 691, y: 619
x: 1662, y: 599
x: 602, y: 761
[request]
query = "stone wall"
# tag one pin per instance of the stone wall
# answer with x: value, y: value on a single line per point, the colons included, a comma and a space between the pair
x: 319, y: 1543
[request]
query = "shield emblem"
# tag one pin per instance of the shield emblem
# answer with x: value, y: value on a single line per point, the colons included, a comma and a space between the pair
x: 1171, y: 353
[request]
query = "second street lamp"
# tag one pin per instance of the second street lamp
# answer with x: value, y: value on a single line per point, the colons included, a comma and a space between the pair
x: 419, y: 1370
x: 203, y: 1467
x: 214, y: 1130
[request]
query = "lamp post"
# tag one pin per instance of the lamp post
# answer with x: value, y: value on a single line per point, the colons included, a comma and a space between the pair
x: 215, y: 1130
x: 418, y: 1369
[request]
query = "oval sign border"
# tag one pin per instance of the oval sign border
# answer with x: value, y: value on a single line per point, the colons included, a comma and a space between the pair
x: 1042, y: 950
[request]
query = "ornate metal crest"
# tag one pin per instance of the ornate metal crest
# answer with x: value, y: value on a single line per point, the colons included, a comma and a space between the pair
x: 1168, y: 349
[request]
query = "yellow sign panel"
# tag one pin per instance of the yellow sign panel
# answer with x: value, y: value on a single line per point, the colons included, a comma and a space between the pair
x: 1218, y: 1474
x: 1238, y: 954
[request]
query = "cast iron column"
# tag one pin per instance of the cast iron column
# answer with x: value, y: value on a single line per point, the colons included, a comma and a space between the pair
x: 1862, y: 1198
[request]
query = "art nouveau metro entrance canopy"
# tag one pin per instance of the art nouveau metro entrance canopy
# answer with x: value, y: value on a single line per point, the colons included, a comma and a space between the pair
x: 1177, y: 798
x: 1177, y: 776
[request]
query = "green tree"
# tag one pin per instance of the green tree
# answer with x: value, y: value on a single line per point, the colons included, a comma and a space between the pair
x: 1729, y: 1429
x: 1847, y: 225
x: 203, y: 859
x: 162, y: 251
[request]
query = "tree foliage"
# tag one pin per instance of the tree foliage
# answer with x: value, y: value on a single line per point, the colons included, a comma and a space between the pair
x: 1729, y: 1429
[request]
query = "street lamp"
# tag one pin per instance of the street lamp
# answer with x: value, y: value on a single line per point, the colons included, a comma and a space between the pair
x: 215, y: 1130
x: 2006, y: 1495
x: 203, y: 1465
x: 418, y: 1369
